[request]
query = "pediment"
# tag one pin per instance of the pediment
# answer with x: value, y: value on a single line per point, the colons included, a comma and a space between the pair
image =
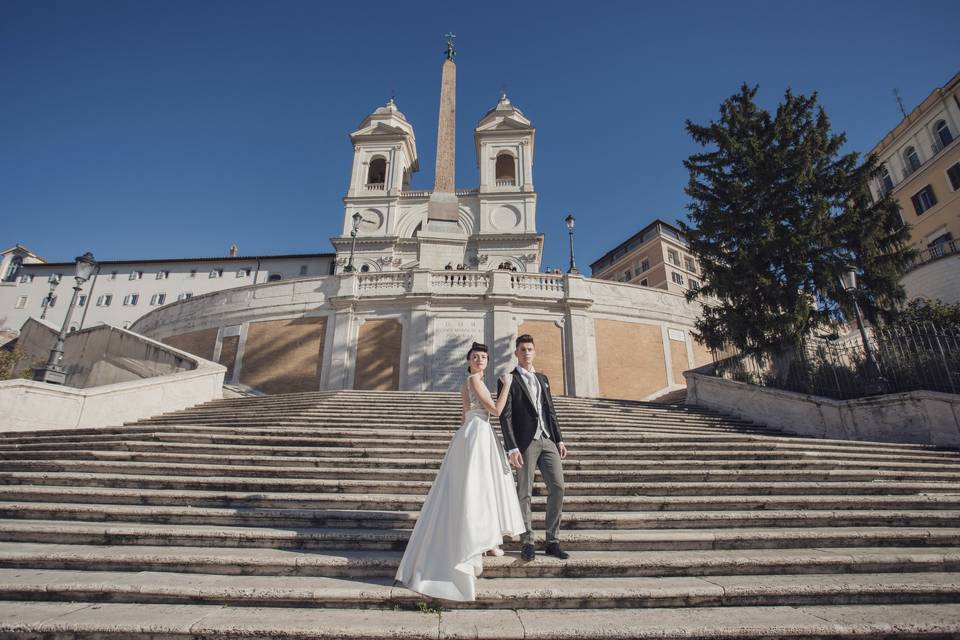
x: 505, y: 124
x: 379, y: 129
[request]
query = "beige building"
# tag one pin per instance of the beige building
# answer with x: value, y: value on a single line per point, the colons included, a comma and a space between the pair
x: 920, y: 168
x: 656, y: 256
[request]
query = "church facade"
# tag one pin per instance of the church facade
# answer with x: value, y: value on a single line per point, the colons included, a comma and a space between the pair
x: 419, y: 275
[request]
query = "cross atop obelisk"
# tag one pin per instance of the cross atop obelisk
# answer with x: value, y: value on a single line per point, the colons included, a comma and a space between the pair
x: 443, y: 201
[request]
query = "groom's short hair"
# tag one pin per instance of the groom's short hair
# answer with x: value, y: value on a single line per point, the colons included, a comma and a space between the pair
x: 525, y: 338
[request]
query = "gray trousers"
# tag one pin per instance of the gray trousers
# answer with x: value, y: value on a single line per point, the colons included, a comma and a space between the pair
x: 542, y: 453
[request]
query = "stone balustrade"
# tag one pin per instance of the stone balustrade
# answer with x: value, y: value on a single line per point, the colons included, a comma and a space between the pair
x: 410, y: 329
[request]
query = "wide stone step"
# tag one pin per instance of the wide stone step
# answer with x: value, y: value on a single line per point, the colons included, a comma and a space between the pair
x: 406, y: 487
x: 60, y: 620
x: 387, y: 474
x: 508, y: 593
x: 340, y: 515
x: 651, y: 451
x: 615, y: 467
x: 383, y: 564
x: 127, y: 533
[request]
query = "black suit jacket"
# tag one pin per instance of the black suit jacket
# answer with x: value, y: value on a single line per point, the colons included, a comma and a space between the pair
x: 518, y: 420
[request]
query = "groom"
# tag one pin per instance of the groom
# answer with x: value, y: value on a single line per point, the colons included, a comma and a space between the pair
x: 530, y: 426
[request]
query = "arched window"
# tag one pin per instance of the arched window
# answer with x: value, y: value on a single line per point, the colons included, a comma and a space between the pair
x: 886, y: 180
x: 911, y: 160
x: 506, y: 170
x: 377, y: 175
x: 944, y: 136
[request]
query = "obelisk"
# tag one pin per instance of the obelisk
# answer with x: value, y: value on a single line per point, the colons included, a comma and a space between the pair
x: 443, y: 205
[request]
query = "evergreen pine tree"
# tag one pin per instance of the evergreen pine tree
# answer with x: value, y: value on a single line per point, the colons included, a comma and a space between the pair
x: 776, y: 213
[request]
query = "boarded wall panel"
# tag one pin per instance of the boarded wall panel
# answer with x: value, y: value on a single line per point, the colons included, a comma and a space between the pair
x: 678, y: 359
x: 228, y: 355
x: 284, y: 356
x: 630, y: 362
x: 548, y: 342
x: 199, y: 343
x: 378, y: 355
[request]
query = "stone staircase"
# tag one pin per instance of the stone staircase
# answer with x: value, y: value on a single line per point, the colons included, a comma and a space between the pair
x: 286, y: 516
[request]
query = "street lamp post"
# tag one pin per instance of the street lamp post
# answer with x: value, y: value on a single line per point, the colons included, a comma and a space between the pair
x: 54, y: 281
x: 353, y: 243
x: 570, y: 220
x: 54, y: 372
x: 877, y: 383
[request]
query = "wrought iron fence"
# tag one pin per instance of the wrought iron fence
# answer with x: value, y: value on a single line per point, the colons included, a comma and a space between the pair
x: 909, y: 358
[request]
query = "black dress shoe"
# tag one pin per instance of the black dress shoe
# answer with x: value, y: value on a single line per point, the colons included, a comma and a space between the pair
x: 527, y: 553
x: 553, y: 549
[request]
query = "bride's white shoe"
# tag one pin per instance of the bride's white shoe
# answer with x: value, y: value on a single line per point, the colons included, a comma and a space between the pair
x: 496, y: 551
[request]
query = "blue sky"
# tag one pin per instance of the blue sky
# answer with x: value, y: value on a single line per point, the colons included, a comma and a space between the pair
x: 174, y: 128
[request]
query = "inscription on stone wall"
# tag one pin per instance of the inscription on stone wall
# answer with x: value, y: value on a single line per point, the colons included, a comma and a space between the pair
x: 451, y: 339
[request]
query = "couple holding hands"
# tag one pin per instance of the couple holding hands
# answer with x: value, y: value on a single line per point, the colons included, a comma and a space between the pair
x: 473, y: 502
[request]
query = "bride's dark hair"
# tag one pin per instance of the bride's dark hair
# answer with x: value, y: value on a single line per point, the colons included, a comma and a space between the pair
x: 482, y: 348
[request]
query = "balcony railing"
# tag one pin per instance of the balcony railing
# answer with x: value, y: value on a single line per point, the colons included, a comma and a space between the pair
x: 376, y: 186
x: 505, y: 182
x: 935, y: 252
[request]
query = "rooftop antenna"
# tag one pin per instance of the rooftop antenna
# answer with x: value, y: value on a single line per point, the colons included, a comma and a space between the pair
x: 896, y: 93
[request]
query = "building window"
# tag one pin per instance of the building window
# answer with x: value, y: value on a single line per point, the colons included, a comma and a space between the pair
x: 303, y: 269
x: 21, y: 302
x: 136, y: 275
x: 643, y: 283
x: 924, y: 199
x: 243, y: 273
x: 216, y: 273
x: 13, y: 270
x: 27, y: 277
x: 688, y: 264
x: 953, y: 174
x: 627, y: 275
x: 113, y: 275
x: 944, y: 136
x: 193, y: 273
x: 158, y: 299
x: 365, y: 268
x: 54, y: 278
x: 505, y: 170
x: 131, y: 299
x: 184, y: 296
x: 81, y: 301
x: 105, y: 300
x: 163, y: 275
x: 676, y: 277
x: 274, y: 277
x: 378, y: 171
x: 673, y: 257
x: 644, y: 265
x: 694, y: 285
x: 911, y: 160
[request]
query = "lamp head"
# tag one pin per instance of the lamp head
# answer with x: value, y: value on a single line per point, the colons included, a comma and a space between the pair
x: 85, y: 266
x: 356, y: 220
x: 849, y: 278
x: 570, y: 220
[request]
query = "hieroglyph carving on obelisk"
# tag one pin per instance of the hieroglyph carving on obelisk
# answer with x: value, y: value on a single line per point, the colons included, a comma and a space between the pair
x: 443, y: 204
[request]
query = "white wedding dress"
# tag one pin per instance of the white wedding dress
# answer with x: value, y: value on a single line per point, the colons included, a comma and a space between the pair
x: 471, y: 506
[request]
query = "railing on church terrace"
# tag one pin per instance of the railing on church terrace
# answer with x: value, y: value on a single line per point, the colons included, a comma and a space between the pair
x: 461, y: 282
x: 424, y: 193
x: 473, y: 282
x: 384, y: 283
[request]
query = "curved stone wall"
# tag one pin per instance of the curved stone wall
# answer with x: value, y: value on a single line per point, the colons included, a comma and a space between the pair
x: 411, y: 330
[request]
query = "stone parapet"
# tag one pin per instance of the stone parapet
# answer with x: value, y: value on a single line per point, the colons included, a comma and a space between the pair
x: 437, y: 314
x: 916, y: 417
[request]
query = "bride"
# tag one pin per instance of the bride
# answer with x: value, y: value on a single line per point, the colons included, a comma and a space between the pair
x: 472, y: 503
